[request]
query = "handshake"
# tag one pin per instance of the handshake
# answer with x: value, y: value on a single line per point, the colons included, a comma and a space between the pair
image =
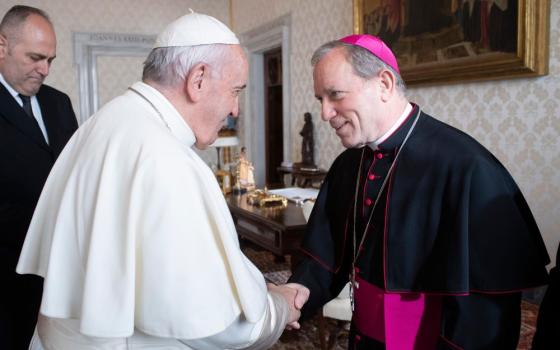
x: 296, y: 296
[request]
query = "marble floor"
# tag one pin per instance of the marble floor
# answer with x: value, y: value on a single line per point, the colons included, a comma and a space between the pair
x: 308, y: 337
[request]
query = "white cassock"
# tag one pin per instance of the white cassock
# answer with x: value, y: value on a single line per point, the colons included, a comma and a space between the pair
x: 137, y: 245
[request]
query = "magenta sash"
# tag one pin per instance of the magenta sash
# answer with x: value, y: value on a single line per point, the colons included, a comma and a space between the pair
x: 400, y: 320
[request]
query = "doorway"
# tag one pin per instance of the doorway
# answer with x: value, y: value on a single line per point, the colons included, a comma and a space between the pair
x: 274, y: 135
x: 260, y: 134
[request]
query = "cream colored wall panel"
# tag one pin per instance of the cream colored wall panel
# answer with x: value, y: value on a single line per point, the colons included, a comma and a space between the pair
x: 116, y: 74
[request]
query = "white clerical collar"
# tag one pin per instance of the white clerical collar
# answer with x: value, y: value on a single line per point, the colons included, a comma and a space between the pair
x: 373, y: 145
x: 167, y: 112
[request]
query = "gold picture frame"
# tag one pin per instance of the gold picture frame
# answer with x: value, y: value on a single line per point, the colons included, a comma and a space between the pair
x: 432, y: 57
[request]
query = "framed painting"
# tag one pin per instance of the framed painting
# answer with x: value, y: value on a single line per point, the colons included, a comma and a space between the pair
x: 439, y: 41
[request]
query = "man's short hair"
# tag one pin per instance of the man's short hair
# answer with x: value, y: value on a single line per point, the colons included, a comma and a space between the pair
x: 364, y: 63
x: 169, y: 66
x: 16, y: 16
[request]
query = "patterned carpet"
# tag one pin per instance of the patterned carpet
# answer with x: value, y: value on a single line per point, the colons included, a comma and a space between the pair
x: 308, y: 337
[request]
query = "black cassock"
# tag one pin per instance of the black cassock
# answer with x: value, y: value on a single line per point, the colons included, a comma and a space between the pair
x: 450, y: 221
x: 548, y: 322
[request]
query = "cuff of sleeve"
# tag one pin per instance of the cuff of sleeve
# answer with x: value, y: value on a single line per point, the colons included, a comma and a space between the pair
x: 276, y: 318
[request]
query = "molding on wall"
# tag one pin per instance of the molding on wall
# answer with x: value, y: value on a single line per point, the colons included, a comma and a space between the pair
x: 271, y: 35
x: 87, y: 47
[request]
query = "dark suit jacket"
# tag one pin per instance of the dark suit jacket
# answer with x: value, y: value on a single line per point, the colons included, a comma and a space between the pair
x: 25, y: 162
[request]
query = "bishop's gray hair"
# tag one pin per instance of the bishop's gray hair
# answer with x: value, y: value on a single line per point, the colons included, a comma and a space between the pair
x: 169, y: 66
x: 364, y: 63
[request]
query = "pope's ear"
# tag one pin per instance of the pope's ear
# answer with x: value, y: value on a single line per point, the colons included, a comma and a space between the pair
x: 196, y: 81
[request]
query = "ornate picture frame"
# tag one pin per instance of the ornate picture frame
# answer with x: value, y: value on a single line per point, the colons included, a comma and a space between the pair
x: 446, y: 41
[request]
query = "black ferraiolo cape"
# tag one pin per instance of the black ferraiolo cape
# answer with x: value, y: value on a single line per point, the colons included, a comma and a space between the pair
x: 450, y: 221
x: 455, y: 222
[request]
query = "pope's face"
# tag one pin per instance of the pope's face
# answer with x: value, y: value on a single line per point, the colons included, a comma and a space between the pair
x: 351, y: 104
x: 25, y: 58
x: 223, y: 98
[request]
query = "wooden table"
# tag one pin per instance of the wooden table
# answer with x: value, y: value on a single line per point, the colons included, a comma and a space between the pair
x: 278, y: 230
x: 302, y: 177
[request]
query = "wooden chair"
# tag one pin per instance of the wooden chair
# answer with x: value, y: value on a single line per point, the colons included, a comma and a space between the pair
x: 339, y: 309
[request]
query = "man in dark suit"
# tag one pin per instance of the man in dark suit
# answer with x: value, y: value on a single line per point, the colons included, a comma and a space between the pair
x: 36, y: 121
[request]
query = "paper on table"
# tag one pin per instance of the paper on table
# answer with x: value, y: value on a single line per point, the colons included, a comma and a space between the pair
x: 296, y: 194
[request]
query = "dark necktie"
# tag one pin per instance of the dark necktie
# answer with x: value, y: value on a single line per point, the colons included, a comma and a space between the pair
x: 29, y: 111
x: 27, y: 105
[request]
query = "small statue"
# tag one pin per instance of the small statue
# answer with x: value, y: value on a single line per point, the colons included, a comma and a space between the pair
x: 307, y: 143
x: 245, y: 172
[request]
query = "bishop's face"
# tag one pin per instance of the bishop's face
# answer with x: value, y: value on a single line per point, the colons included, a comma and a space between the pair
x: 351, y: 104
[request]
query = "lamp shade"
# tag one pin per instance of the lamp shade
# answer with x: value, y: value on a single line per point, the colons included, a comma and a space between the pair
x: 226, y: 141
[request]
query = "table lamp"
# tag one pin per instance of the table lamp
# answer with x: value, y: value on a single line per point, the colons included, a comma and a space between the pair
x: 224, y: 142
x: 224, y: 176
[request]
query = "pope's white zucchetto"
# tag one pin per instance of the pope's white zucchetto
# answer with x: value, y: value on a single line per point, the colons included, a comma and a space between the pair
x: 195, y: 29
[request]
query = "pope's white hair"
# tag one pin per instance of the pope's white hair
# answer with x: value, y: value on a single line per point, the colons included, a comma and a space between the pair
x: 168, y: 66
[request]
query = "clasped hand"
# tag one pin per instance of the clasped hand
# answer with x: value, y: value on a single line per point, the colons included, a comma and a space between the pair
x: 296, y: 295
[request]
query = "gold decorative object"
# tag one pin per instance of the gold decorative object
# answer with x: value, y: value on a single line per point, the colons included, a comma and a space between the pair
x: 261, y: 198
x: 223, y: 173
x: 225, y: 180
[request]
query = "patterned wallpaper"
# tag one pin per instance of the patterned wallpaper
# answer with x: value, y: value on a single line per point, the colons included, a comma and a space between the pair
x: 518, y: 120
x: 116, y: 74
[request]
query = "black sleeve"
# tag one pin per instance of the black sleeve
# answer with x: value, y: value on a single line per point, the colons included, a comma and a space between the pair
x: 326, y: 265
x: 318, y: 270
x: 319, y: 280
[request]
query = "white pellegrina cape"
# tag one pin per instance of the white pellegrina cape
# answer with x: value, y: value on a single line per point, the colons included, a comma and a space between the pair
x: 132, y: 231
